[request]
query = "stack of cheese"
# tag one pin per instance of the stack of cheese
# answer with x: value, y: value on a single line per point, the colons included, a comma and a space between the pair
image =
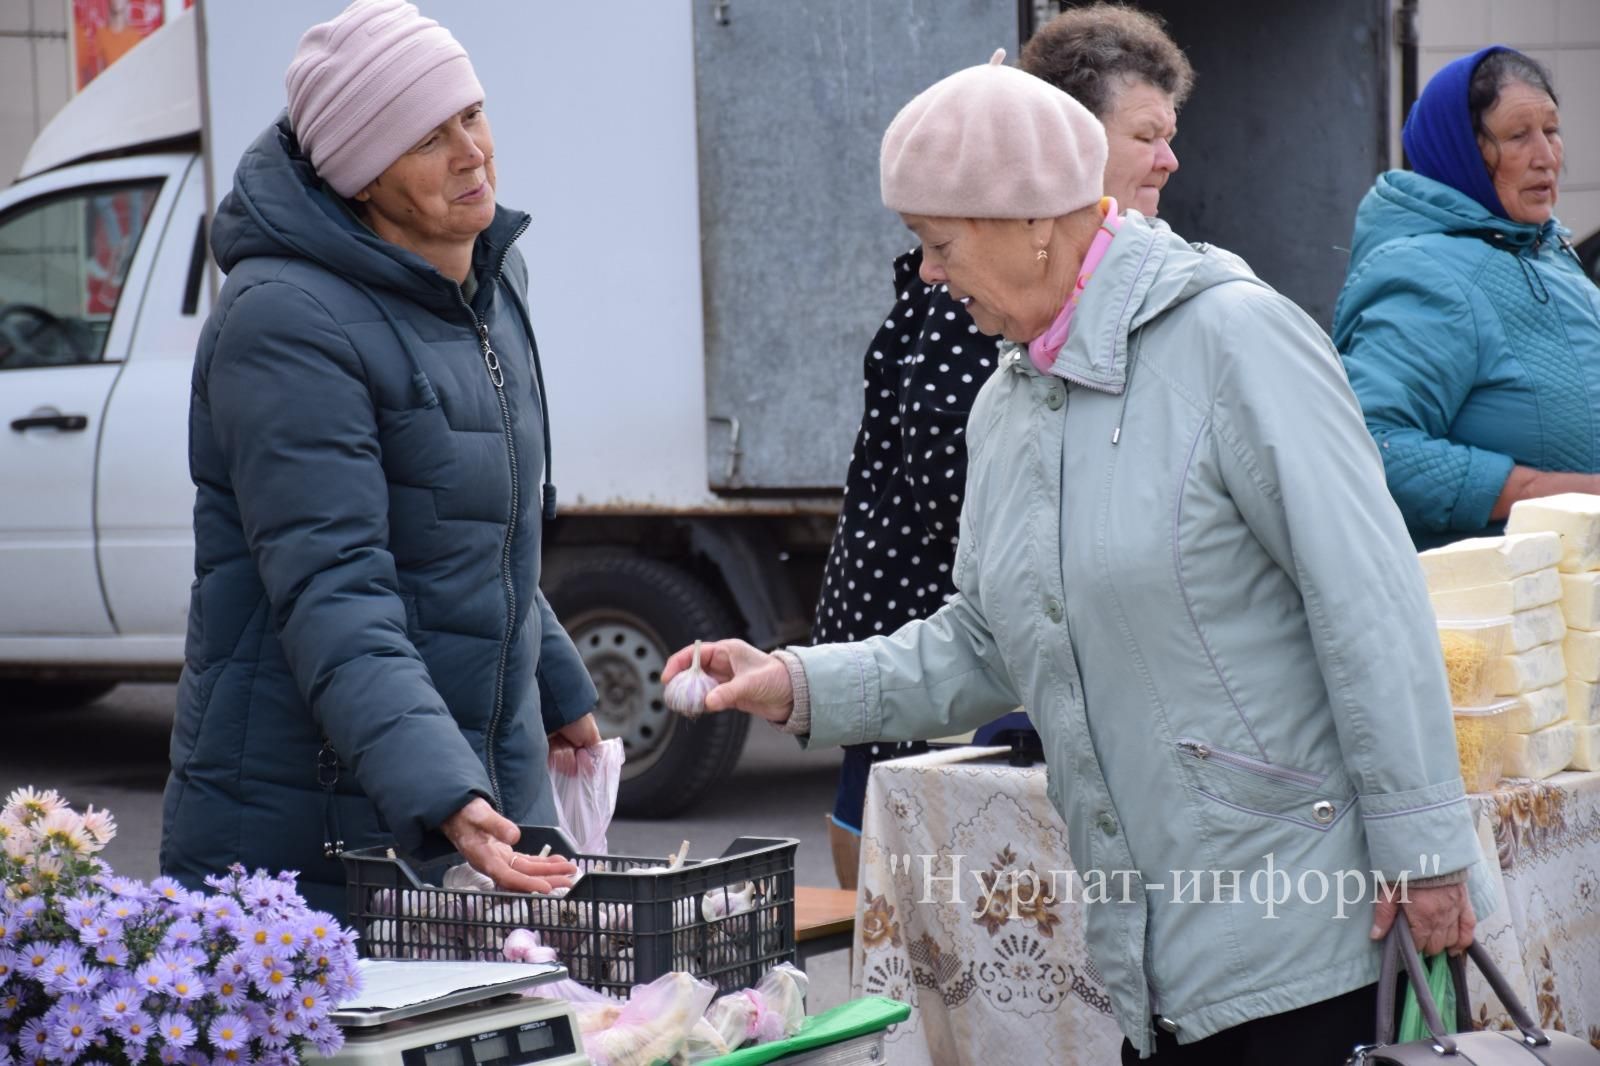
x: 1501, y: 629
x: 1576, y: 518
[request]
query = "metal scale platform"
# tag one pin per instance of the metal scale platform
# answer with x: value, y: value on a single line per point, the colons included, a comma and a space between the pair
x: 457, y: 1014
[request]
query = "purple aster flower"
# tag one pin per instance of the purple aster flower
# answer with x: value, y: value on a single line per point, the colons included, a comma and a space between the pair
x: 10, y: 1003
x: 312, y: 1000
x: 169, y: 890
x: 229, y: 1032
x: 33, y: 959
x: 112, y: 953
x: 324, y: 1035
x: 277, y: 1057
x: 176, y: 1029
x: 136, y: 1028
x: 187, y: 986
x: 81, y: 911
x: 121, y: 910
x: 81, y: 979
x: 62, y: 960
x: 152, y: 977
x: 171, y: 1055
x: 6, y: 1056
x: 10, y: 927
x: 274, y: 979
x: 8, y: 965
x: 271, y: 1031
x: 72, y: 1038
x: 286, y: 937
x: 231, y: 992
x: 196, y: 1057
x: 181, y: 934
x: 231, y: 1057
x: 34, y: 1037
x: 118, y: 1003
x: 30, y: 909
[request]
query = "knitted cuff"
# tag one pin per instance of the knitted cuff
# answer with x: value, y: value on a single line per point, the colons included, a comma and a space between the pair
x: 798, y: 723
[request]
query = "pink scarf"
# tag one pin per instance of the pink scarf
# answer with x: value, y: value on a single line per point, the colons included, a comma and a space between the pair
x: 1042, y: 349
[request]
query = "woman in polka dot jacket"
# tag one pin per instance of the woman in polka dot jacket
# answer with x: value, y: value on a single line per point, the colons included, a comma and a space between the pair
x: 896, y: 539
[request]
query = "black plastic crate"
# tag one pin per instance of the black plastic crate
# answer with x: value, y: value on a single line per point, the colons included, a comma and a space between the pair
x: 612, y: 930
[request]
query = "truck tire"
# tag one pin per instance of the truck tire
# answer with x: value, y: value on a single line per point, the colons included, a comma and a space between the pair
x: 25, y: 695
x: 626, y: 614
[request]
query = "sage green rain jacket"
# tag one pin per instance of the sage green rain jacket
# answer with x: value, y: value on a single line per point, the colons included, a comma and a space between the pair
x: 1177, y: 551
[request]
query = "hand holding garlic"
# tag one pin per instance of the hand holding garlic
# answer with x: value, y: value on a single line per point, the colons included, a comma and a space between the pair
x: 743, y: 678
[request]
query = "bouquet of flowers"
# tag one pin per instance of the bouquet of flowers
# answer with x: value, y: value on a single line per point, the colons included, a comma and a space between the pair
x: 100, y: 970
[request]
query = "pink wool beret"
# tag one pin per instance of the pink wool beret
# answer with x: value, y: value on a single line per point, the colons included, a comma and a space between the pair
x: 366, y: 86
x: 992, y: 142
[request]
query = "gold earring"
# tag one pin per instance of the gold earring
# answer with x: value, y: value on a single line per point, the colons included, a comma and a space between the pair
x: 1043, y: 255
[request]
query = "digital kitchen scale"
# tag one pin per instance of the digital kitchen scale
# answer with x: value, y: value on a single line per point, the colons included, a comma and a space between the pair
x: 457, y: 1014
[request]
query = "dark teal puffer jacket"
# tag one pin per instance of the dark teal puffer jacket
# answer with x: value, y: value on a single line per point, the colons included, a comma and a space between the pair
x: 1473, y: 343
x: 367, y: 536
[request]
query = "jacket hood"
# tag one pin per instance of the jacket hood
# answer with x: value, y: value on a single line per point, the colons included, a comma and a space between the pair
x: 1405, y: 204
x: 1147, y: 271
x: 279, y: 207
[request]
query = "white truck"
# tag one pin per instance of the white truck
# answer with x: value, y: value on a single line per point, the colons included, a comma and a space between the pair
x: 707, y: 257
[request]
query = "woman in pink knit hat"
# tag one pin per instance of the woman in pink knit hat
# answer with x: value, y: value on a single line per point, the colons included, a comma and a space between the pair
x: 370, y: 660
x: 1177, y: 552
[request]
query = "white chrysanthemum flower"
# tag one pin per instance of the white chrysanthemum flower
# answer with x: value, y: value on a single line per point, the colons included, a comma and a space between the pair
x: 19, y: 841
x: 100, y: 826
x: 63, y: 829
x: 28, y: 804
x: 47, y: 868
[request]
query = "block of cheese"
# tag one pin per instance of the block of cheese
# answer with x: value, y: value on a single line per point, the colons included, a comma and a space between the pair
x: 1536, y: 626
x: 1574, y: 515
x: 1502, y: 598
x: 1525, y: 671
x: 1581, y: 649
x: 1489, y: 560
x: 1585, y: 748
x: 1538, y: 755
x: 1583, y: 701
x: 1537, y: 709
x: 1580, y: 600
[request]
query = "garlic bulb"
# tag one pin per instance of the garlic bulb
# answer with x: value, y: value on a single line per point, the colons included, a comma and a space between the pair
x: 686, y: 693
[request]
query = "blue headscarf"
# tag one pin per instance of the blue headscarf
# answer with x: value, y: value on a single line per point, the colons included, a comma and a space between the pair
x: 1438, y: 136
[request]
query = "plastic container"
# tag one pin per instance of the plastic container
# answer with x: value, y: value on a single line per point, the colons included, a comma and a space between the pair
x: 1470, y: 648
x: 1481, y: 744
x: 625, y: 922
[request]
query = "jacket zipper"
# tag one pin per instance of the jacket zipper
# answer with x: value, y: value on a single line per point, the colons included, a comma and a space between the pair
x: 1197, y: 749
x: 497, y: 378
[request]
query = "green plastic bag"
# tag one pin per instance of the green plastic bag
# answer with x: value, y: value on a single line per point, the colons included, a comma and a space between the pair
x: 858, y: 1017
x: 1443, y: 990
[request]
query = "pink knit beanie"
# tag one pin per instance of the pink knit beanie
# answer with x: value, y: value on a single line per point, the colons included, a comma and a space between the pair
x: 365, y: 87
x: 992, y: 142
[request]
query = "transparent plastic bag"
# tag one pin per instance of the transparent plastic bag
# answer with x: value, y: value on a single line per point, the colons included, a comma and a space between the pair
x: 653, y: 1026
x: 585, y: 782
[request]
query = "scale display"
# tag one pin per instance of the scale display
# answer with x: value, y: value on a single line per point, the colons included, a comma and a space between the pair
x: 513, y: 1045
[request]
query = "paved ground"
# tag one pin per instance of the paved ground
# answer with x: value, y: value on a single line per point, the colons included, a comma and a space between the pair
x: 114, y: 754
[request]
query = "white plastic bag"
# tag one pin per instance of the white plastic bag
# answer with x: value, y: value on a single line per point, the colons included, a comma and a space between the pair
x: 585, y: 782
x: 653, y: 1026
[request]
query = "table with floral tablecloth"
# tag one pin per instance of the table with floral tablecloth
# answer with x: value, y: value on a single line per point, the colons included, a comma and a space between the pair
x: 1014, y: 976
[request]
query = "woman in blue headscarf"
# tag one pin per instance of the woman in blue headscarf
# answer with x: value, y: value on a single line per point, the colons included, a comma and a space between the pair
x: 1468, y: 328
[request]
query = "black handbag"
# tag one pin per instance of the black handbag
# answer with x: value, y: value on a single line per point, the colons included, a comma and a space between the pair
x: 1528, y: 1046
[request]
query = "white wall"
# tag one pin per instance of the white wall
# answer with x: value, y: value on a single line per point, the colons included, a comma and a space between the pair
x: 1562, y: 34
x: 35, y: 74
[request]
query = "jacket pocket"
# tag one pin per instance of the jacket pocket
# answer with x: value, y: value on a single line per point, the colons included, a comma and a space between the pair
x: 1253, y: 786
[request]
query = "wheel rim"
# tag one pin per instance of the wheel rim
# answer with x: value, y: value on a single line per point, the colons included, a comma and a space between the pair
x: 625, y: 660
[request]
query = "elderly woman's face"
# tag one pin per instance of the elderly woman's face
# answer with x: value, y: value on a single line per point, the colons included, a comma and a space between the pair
x: 441, y: 192
x: 1524, y: 152
x: 992, y: 266
x: 1139, y: 132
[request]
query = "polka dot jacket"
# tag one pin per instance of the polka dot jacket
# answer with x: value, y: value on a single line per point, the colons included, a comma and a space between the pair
x: 896, y: 540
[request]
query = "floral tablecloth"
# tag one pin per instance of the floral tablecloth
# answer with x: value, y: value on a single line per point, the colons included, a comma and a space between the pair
x: 987, y: 982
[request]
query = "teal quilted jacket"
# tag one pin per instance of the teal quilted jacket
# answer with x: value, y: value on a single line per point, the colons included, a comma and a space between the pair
x: 1473, y: 343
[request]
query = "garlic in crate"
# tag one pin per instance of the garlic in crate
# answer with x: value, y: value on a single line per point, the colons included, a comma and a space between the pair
x: 686, y: 693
